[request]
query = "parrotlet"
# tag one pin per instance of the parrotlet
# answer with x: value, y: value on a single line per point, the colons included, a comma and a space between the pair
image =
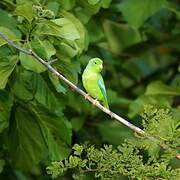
x: 93, y: 81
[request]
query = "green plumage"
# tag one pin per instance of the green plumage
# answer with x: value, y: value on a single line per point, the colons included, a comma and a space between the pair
x: 93, y: 81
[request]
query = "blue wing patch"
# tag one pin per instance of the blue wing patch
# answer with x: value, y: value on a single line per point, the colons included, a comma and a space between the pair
x: 102, y: 88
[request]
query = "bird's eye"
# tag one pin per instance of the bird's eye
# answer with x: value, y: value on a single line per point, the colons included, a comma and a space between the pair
x: 95, y: 62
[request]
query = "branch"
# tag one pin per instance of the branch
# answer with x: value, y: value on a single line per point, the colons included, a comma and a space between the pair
x: 74, y: 87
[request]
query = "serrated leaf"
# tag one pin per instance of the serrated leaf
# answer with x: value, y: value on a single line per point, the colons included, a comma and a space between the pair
x: 136, y: 12
x: 6, y: 103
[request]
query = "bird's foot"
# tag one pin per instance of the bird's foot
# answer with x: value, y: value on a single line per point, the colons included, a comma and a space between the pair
x: 95, y: 102
x: 86, y: 96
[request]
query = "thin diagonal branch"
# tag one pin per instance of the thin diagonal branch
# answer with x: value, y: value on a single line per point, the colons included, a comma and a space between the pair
x: 74, y: 87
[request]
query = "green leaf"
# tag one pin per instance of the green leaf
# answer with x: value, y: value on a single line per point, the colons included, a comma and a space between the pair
x: 70, y: 70
x: 137, y: 106
x: 160, y: 88
x: 56, y: 132
x: 23, y: 87
x: 93, y: 2
x: 43, y: 48
x: 55, y: 81
x: 9, y: 22
x: 53, y: 6
x: 67, y: 4
x: 82, y: 42
x: 7, y: 65
x: 29, y: 62
x: 136, y: 12
x: 120, y: 36
x: 86, y: 9
x: 26, y: 142
x: 113, y: 132
x: 5, y: 109
x: 7, y: 32
x: 77, y: 123
x: 45, y: 96
x: 61, y: 27
x: 25, y: 10
x: 95, y: 31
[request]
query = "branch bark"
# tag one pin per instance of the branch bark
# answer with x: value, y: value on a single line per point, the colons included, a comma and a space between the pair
x: 72, y: 86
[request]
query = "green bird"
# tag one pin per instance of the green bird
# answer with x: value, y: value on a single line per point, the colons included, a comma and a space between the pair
x: 93, y: 81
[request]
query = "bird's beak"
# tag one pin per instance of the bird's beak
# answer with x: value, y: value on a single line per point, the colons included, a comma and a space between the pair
x: 101, y: 67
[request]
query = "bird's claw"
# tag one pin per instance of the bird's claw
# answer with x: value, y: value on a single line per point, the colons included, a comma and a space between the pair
x: 95, y: 102
x: 86, y: 96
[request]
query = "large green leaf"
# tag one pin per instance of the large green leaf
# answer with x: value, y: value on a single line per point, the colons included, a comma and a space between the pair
x: 7, y: 32
x: 23, y: 85
x: 30, y: 62
x: 7, y: 65
x: 120, y: 36
x: 160, y: 88
x: 26, y: 142
x: 137, y: 11
x: 88, y: 8
x: 43, y: 48
x: 70, y: 70
x: 82, y: 41
x: 93, y: 2
x: 5, y: 109
x: 56, y: 82
x: 67, y: 4
x: 45, y: 96
x: 61, y: 27
x: 25, y: 10
x: 56, y: 132
x: 9, y: 22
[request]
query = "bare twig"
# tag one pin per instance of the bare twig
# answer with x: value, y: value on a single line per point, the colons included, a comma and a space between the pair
x: 74, y: 87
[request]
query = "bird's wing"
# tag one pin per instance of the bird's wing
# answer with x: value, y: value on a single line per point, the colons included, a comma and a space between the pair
x: 102, y: 87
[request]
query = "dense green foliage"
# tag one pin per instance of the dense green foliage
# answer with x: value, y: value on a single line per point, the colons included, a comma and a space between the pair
x: 142, y: 159
x: 41, y: 118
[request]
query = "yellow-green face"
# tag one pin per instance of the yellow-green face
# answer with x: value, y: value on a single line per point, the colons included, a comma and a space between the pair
x: 96, y: 64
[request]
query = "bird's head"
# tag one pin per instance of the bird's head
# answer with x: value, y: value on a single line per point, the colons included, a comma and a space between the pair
x: 96, y: 64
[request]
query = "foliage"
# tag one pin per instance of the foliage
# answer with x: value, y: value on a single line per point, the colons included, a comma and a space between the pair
x: 41, y: 119
x: 142, y: 159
